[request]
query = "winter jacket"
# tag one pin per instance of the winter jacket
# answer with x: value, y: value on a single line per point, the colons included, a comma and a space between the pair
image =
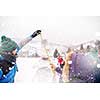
x: 9, y: 77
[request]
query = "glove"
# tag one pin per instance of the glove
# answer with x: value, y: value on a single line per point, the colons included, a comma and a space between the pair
x: 36, y: 33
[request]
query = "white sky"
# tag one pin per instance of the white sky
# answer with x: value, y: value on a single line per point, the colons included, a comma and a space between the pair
x: 57, y: 29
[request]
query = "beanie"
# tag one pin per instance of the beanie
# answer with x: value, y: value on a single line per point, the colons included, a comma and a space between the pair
x: 7, y: 45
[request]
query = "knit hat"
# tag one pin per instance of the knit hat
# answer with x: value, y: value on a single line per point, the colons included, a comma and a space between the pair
x: 7, y: 45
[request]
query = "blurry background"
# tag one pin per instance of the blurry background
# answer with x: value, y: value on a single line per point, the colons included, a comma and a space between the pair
x: 58, y: 29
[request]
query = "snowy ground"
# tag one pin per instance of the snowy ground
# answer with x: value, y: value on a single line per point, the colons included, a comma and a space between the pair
x: 33, y: 70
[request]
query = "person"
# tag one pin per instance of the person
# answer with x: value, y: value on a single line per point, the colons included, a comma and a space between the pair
x: 66, y: 67
x: 61, y: 62
x: 81, y: 49
x: 56, y: 53
x: 8, y: 54
x: 88, y: 49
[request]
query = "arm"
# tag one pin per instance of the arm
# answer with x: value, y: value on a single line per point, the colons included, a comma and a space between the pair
x: 28, y: 39
x: 24, y: 42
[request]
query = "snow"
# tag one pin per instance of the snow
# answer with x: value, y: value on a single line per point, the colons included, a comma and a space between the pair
x: 33, y: 70
x: 59, y: 32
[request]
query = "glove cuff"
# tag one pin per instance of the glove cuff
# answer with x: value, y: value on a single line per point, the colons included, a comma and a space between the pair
x: 34, y: 35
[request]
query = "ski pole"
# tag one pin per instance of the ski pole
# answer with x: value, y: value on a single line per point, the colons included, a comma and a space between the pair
x: 49, y: 60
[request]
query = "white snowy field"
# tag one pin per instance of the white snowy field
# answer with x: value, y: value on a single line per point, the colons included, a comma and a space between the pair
x: 33, y: 70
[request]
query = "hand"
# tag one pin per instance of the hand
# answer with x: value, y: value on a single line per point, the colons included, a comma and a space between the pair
x: 36, y: 33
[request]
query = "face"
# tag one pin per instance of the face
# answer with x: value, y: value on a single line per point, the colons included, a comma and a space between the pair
x: 14, y: 52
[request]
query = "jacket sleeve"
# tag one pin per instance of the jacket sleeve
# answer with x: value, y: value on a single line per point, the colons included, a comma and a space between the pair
x: 24, y: 42
x: 9, y: 78
x: 1, y: 73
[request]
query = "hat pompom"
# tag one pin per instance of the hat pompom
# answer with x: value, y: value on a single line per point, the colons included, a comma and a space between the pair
x: 3, y: 38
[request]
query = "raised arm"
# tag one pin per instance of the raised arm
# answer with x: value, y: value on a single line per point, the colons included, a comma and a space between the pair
x: 28, y: 39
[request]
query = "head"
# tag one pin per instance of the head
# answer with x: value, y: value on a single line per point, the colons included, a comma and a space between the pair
x: 8, y: 46
x: 81, y: 47
x: 69, y: 50
x: 56, y: 50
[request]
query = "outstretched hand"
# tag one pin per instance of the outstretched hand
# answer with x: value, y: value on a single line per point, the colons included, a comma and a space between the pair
x: 36, y: 33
